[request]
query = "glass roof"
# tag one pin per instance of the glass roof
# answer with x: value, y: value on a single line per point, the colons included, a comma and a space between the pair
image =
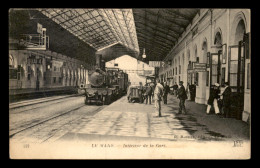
x: 100, y: 28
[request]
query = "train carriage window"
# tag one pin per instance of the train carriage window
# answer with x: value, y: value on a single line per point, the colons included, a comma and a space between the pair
x: 29, y: 73
x: 44, y: 76
x: 11, y: 61
x: 29, y: 76
x: 12, y: 73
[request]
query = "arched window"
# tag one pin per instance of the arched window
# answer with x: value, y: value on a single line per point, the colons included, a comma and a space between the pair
x: 218, y: 39
x: 240, y: 31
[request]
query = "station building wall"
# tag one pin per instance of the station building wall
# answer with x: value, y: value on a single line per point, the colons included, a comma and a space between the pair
x: 207, y: 30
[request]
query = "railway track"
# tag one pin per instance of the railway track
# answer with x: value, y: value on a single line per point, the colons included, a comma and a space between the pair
x: 46, y: 120
x: 37, y: 101
x: 49, y: 131
x: 13, y: 98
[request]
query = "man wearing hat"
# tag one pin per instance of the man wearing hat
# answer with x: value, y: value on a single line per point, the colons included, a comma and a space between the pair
x: 213, y: 99
x: 226, y: 100
x: 182, y: 96
x: 166, y: 90
x: 158, y: 93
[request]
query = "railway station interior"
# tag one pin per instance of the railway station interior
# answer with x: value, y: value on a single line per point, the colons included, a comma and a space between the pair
x: 54, y: 55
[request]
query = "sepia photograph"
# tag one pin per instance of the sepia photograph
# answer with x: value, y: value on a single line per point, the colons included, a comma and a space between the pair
x: 129, y: 83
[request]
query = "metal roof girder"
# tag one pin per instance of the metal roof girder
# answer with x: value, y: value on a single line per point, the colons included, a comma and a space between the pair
x: 109, y: 18
x: 183, y: 26
x: 158, y: 36
x: 120, y: 28
x: 128, y: 31
x: 160, y: 30
x: 100, y: 25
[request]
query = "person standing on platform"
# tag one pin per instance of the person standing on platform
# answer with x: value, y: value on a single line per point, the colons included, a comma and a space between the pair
x: 213, y: 99
x: 148, y: 93
x: 152, y: 87
x: 158, y: 92
x: 182, y: 96
x: 188, y: 91
x: 175, y: 88
x: 192, y: 89
x: 140, y: 91
x: 226, y: 100
x: 166, y: 90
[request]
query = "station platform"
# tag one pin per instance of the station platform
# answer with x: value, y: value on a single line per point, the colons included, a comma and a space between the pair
x: 123, y: 120
x: 32, y: 93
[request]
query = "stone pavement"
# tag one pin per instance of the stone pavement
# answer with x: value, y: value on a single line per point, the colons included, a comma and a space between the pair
x: 125, y: 119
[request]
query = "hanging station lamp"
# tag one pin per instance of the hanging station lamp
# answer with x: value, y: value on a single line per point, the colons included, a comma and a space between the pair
x: 144, y: 56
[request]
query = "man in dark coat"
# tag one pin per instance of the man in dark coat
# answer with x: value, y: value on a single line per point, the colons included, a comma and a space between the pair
x: 166, y: 90
x: 152, y: 85
x: 175, y: 88
x: 148, y: 93
x: 182, y: 96
x: 140, y: 92
x: 226, y: 100
x: 192, y: 88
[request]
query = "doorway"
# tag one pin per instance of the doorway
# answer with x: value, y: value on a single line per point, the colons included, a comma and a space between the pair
x: 236, y: 70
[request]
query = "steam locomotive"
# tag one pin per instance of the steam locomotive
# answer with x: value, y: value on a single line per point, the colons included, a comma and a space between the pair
x: 105, y: 86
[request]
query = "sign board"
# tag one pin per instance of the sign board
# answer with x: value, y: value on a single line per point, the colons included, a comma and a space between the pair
x: 156, y: 63
x: 200, y: 70
x: 200, y: 67
x: 39, y: 28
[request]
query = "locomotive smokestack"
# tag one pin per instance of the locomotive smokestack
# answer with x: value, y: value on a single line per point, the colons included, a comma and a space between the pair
x: 103, y: 65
